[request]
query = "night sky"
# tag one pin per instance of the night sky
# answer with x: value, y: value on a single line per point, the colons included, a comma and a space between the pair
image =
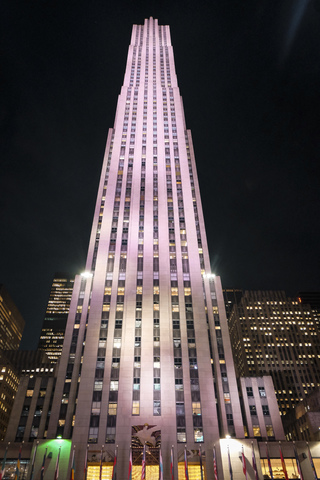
x: 249, y: 74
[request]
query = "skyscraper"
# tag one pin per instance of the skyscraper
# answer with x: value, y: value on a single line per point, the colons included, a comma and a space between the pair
x: 147, y: 341
x: 54, y: 324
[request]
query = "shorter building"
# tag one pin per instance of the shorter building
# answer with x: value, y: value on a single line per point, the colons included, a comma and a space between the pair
x: 11, y: 322
x: 28, y: 361
x: 32, y: 406
x: 260, y: 408
x: 272, y: 334
x: 9, y: 381
x: 231, y: 297
x: 54, y: 324
x: 304, y: 422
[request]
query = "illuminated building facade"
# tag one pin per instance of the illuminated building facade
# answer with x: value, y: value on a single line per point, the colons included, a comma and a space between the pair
x: 11, y: 322
x: 272, y: 334
x: 54, y: 325
x: 9, y: 381
x: 147, y: 333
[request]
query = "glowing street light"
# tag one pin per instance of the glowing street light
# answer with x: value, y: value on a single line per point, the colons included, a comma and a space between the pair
x: 86, y: 274
x: 210, y: 276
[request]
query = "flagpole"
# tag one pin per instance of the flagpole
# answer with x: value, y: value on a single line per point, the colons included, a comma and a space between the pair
x: 229, y: 462
x: 269, y: 461
x: 244, y: 465
x: 33, y: 460
x: 100, y: 473
x: 311, y: 462
x: 171, y: 463
x: 43, y: 463
x: 130, y: 464
x: 254, y: 463
x: 17, y: 474
x: 160, y: 465
x: 143, y: 469
x: 56, y: 473
x: 284, y: 468
x: 114, y: 469
x: 85, y: 464
x: 186, y: 472
x: 72, y: 471
x: 200, y: 455
x: 215, y: 470
x: 297, y: 460
x: 3, y: 468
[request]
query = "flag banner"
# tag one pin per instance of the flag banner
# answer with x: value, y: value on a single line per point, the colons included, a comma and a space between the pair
x: 311, y: 462
x: 244, y: 465
x: 33, y: 460
x: 160, y: 465
x: 254, y: 463
x: 143, y: 470
x: 283, y: 463
x: 43, y: 463
x: 269, y: 462
x: 298, y: 461
x: 3, y: 468
x: 72, y: 473
x: 186, y: 472
x: 215, y: 463
x: 56, y: 472
x: 101, y: 458
x: 130, y: 465
x: 85, y: 464
x: 114, y: 469
x: 171, y: 464
x: 200, y: 455
x: 17, y: 474
x: 229, y: 463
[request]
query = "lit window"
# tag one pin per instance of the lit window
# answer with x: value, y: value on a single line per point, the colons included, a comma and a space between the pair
x: 136, y: 407
x: 256, y: 431
x: 112, y: 410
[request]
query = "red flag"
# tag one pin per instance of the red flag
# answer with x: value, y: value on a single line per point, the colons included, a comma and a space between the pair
x: 244, y: 466
x: 143, y: 471
x: 56, y: 473
x: 283, y: 464
x: 254, y: 463
x: 215, y: 464
x: 186, y: 472
x: 171, y: 464
x: 114, y: 470
x: 130, y: 465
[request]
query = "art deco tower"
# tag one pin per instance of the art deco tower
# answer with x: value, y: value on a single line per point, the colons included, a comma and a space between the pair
x: 147, y: 339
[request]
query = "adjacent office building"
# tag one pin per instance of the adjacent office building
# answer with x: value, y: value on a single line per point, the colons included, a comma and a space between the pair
x: 272, y: 334
x: 11, y: 322
x: 11, y: 329
x: 54, y: 325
